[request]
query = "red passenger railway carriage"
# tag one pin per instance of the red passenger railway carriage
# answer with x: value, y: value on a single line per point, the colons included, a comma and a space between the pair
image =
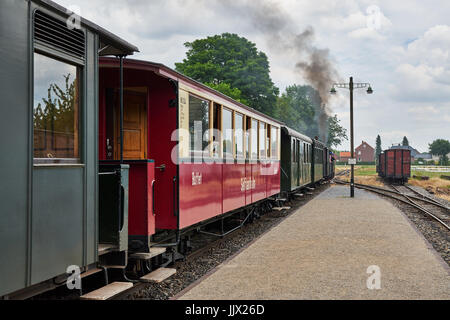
x: 194, y: 154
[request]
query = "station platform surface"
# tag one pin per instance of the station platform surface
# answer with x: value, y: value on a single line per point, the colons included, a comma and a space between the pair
x: 324, y: 250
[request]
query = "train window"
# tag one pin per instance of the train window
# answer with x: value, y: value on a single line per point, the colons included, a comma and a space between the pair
x: 298, y: 150
x: 239, y: 135
x: 274, y: 142
x: 292, y: 149
x: 268, y: 132
x: 262, y: 143
x: 216, y: 134
x: 55, y: 111
x: 198, y: 125
x: 254, y: 139
x: 247, y: 137
x: 227, y: 133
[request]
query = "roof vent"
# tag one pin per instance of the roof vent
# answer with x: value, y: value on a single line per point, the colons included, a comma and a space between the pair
x: 55, y: 34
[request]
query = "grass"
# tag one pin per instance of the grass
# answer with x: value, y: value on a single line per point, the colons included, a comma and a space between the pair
x: 367, y: 174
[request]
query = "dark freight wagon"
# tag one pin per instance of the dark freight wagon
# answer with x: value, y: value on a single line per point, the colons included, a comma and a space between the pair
x: 395, y: 164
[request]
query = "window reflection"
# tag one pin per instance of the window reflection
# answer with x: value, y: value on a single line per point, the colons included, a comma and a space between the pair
x: 198, y: 125
x: 227, y: 133
x: 55, y: 111
x: 239, y: 134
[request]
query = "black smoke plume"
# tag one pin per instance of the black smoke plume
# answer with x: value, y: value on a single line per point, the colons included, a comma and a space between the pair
x: 312, y: 63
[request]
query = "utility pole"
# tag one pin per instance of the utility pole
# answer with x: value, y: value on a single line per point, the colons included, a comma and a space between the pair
x: 351, y: 86
x: 352, y: 147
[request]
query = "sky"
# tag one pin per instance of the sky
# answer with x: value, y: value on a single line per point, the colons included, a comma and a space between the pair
x: 402, y: 48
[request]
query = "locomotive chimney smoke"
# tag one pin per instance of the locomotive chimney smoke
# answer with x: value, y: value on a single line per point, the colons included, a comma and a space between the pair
x: 312, y: 63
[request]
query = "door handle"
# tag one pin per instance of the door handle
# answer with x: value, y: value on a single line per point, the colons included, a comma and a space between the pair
x: 161, y: 168
x: 153, y: 198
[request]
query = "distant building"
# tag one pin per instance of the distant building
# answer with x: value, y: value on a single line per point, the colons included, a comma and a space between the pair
x: 344, y: 156
x: 365, y: 153
x: 415, y: 154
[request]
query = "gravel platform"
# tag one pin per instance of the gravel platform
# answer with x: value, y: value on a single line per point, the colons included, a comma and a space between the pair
x: 323, y: 251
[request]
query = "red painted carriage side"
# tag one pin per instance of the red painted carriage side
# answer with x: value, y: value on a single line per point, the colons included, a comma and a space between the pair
x: 248, y: 177
x: 141, y: 221
x: 200, y: 192
x: 162, y: 121
x: 259, y: 188
x: 234, y: 185
x: 273, y: 178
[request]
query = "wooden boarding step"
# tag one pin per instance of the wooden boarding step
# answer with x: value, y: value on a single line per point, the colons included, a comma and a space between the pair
x: 147, y: 255
x: 159, y: 275
x: 107, y: 291
x: 310, y: 189
x: 299, y: 194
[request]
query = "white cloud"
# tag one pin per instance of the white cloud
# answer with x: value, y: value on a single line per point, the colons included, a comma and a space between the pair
x: 406, y: 60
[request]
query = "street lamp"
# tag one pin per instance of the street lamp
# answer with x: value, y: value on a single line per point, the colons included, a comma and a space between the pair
x: 351, y: 86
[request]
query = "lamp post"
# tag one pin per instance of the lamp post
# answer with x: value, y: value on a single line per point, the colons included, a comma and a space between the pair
x: 351, y: 86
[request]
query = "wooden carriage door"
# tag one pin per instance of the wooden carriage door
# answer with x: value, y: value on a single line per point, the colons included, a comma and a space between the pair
x: 134, y: 126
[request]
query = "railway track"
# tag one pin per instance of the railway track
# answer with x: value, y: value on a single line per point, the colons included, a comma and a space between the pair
x: 428, y: 206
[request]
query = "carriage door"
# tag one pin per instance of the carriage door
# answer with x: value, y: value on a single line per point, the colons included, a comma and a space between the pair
x: 134, y: 125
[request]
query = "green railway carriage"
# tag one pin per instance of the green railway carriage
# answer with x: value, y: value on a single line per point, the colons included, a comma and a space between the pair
x: 296, y: 160
x: 319, y: 161
x: 49, y: 165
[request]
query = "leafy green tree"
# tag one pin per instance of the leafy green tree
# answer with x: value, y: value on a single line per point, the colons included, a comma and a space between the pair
x: 441, y: 148
x: 378, y: 149
x: 336, y: 133
x: 227, y: 90
x: 405, y: 141
x: 234, y: 60
x: 296, y: 108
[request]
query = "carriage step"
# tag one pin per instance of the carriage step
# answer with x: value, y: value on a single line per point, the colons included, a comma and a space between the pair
x: 310, y: 189
x: 280, y: 208
x: 310, y: 193
x: 299, y: 194
x: 147, y: 255
x: 108, y: 291
x: 159, y: 275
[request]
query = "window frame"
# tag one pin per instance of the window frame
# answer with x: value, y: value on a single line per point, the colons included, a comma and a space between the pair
x: 80, y: 71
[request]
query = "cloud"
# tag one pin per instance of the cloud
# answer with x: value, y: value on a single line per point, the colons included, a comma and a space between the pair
x: 406, y: 59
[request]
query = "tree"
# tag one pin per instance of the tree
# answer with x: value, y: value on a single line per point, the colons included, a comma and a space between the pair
x: 227, y: 90
x: 296, y: 108
x: 336, y: 133
x: 405, y: 141
x: 441, y: 148
x: 233, y: 60
x: 378, y: 149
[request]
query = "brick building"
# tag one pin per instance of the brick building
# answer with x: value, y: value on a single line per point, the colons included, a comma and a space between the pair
x: 344, y: 156
x: 364, y: 153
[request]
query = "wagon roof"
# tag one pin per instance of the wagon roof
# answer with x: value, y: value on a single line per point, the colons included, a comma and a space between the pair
x: 112, y: 44
x: 177, y: 76
x: 293, y: 133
